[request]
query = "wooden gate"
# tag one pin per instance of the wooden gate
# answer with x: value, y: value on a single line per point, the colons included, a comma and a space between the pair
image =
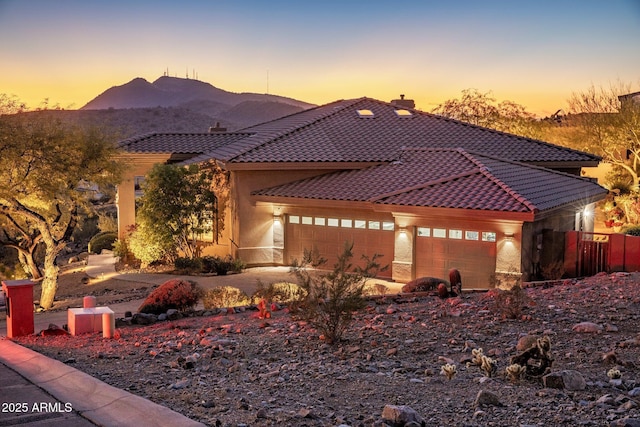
x: 586, y: 254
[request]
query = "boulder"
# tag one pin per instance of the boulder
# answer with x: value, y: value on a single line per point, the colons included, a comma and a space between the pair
x: 567, y: 379
x: 400, y: 415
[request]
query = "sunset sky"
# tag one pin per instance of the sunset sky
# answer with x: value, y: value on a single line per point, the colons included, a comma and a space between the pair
x: 535, y: 53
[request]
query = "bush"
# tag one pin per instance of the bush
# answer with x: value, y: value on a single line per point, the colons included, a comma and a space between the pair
x: 224, y: 296
x: 331, y: 298
x: 149, y: 247
x: 282, y: 292
x: 188, y: 265
x: 632, y: 230
x: 176, y: 293
x: 102, y: 241
x: 220, y: 266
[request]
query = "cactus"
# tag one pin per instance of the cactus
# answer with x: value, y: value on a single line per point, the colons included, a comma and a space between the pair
x: 488, y: 366
x: 449, y: 371
x: 515, y: 372
x: 614, y: 374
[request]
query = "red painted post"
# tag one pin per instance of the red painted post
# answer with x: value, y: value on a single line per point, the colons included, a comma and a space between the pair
x: 571, y: 253
x: 19, y: 303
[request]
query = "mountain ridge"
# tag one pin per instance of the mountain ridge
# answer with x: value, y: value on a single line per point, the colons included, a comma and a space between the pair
x: 169, y: 91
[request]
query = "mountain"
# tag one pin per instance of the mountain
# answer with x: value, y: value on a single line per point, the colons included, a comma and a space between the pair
x: 172, y: 104
x: 177, y: 92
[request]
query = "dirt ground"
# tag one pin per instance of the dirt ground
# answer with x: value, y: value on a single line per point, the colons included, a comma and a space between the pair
x: 237, y: 369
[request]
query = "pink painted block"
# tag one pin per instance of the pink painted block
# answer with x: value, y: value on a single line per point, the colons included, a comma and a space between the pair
x: 86, y: 320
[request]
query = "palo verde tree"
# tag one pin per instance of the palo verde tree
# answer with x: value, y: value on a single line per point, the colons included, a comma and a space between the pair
x: 609, y: 126
x: 43, y: 163
x: 179, y: 205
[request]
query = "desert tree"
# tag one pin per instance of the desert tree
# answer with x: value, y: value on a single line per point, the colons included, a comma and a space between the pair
x: 482, y: 109
x: 608, y: 124
x: 181, y: 203
x: 43, y: 163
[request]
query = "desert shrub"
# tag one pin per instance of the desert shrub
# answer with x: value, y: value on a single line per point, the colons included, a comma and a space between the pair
x: 332, y: 298
x: 553, y: 270
x: 375, y: 289
x: 188, y: 265
x: 218, y: 265
x: 510, y: 303
x: 282, y: 292
x: 225, y: 296
x: 176, y: 293
x: 149, y: 247
x: 632, y: 230
x: 100, y: 241
x: 107, y: 222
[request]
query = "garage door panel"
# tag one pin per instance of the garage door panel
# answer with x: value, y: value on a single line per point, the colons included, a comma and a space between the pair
x: 330, y: 241
x: 474, y: 259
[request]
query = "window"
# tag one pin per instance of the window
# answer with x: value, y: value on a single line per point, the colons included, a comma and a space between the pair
x: 294, y: 219
x: 455, y: 234
x: 404, y: 113
x: 360, y: 223
x: 374, y: 225
x: 346, y: 223
x: 441, y: 233
x: 307, y: 220
x: 333, y: 222
x: 388, y: 225
x: 365, y: 114
x: 471, y: 235
x: 424, y: 231
x: 319, y: 221
x: 488, y: 236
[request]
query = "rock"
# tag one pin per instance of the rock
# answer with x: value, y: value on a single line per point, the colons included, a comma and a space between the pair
x: 486, y: 398
x: 180, y: 384
x: 634, y: 392
x: 162, y: 317
x: 568, y: 380
x: 173, y: 314
x: 144, y: 319
x: 587, y: 327
x: 526, y: 342
x: 400, y: 415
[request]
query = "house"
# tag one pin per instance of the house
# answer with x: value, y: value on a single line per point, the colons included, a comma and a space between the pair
x: 426, y: 192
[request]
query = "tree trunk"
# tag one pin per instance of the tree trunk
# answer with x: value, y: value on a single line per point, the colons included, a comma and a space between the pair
x: 50, y: 282
x: 29, y: 264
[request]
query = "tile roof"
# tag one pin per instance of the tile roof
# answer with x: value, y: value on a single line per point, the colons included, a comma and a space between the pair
x: 447, y: 178
x: 180, y: 143
x: 336, y: 133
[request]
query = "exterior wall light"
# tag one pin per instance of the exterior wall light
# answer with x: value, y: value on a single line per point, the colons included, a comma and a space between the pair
x: 508, y: 237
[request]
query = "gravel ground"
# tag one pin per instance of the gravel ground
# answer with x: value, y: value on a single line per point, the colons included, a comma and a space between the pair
x: 236, y: 369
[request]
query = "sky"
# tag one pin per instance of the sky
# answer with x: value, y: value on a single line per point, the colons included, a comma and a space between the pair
x: 535, y: 53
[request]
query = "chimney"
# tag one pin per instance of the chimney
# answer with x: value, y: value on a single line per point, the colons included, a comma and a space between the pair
x: 403, y: 103
x: 217, y: 128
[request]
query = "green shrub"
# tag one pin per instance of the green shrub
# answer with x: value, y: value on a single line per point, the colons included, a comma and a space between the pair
x: 224, y: 296
x: 176, y: 293
x: 150, y: 247
x: 632, y: 230
x: 100, y: 241
x: 188, y: 265
x: 220, y: 266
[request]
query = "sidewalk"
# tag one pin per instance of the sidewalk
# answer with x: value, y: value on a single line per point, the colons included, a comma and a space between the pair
x: 38, y: 391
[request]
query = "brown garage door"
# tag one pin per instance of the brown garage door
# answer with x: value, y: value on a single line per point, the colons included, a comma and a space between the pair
x: 328, y: 235
x: 471, y: 252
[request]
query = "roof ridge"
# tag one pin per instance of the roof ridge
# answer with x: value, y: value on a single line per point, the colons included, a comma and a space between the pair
x: 487, y: 172
x: 424, y: 185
